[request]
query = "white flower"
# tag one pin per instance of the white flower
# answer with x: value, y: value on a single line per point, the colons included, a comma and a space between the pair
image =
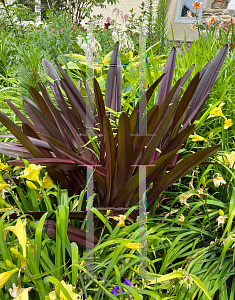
x: 84, y: 46
x: 221, y: 220
x: 80, y: 40
x: 115, y: 36
x: 218, y: 180
x: 17, y: 291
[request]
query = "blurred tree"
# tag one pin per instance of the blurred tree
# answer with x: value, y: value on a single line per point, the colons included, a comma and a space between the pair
x: 79, y: 9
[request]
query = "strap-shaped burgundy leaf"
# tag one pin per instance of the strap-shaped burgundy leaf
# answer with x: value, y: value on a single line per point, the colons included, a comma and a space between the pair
x: 89, y: 93
x: 176, y: 143
x: 124, y: 160
x: 23, y: 139
x: 133, y: 183
x: 110, y: 157
x: 204, y: 87
x: 183, y: 105
x: 113, y: 91
x: 165, y: 85
x: 42, y: 105
x: 99, y: 104
x: 20, y: 115
x: 180, y: 170
x: 78, y: 103
x: 50, y: 163
x: 154, y: 143
x: 50, y: 70
x: 117, y: 91
x: 42, y: 123
x: 14, y: 151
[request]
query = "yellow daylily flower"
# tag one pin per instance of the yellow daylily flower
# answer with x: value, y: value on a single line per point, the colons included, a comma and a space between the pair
x: 3, y: 186
x: 198, y: 138
x: 5, y: 276
x: 3, y: 167
x: 69, y: 289
x: 223, y: 160
x: 19, y: 293
x: 46, y: 182
x: 217, y: 112
x: 32, y: 172
x: 228, y: 123
x: 120, y: 218
x: 20, y: 231
x: 231, y: 159
x: 135, y: 246
x: 181, y: 219
x: 31, y: 185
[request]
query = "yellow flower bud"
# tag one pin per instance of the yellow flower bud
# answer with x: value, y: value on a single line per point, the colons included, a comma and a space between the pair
x: 221, y: 213
x: 10, y: 263
x: 16, y: 252
x: 31, y: 185
x: 5, y: 276
x: 204, y: 181
x: 57, y: 291
x: 108, y: 212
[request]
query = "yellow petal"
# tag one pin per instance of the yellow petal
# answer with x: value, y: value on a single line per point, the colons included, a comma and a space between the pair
x: 16, y: 168
x: 181, y: 219
x: 20, y: 231
x: 69, y: 289
x: 228, y: 123
x: 5, y: 276
x: 198, y: 138
x: 217, y: 112
x: 46, y: 182
x: 32, y: 172
x: 135, y: 246
x: 4, y: 167
x: 121, y: 223
x: 24, y: 295
x: 231, y: 159
x: 223, y: 160
x: 3, y: 186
